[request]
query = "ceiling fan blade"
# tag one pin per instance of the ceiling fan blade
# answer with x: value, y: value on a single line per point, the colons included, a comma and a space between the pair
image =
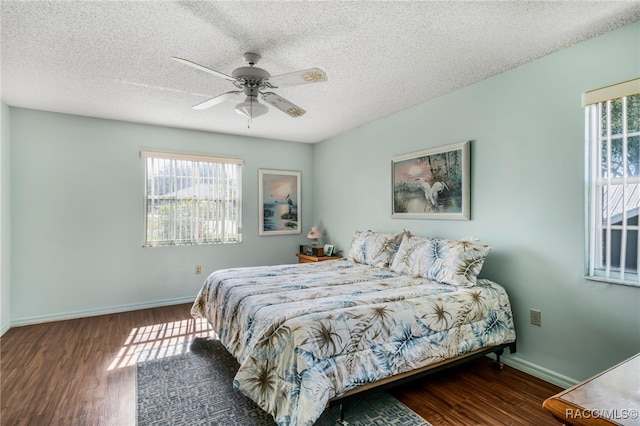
x: 203, y: 68
x: 311, y: 75
x: 217, y: 100
x: 282, y: 104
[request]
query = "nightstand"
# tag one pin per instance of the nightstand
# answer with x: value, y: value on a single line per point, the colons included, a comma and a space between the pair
x: 305, y: 258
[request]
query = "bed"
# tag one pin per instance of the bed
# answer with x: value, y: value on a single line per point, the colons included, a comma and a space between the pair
x: 308, y: 334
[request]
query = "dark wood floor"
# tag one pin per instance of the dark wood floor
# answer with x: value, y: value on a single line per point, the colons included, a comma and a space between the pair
x: 80, y: 372
x: 477, y: 394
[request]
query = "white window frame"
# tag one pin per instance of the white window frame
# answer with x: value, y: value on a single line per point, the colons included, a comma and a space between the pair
x: 193, y: 209
x: 620, y: 191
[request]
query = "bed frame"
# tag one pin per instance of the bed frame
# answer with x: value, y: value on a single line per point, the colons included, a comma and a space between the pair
x: 398, y: 379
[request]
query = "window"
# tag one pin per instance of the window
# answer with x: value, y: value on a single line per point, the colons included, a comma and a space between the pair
x: 192, y: 199
x: 612, y: 117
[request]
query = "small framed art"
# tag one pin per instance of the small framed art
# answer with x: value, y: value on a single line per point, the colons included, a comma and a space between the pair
x: 328, y: 249
x: 279, y: 202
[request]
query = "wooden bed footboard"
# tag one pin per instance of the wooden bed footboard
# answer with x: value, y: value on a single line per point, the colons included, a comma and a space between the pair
x: 398, y: 379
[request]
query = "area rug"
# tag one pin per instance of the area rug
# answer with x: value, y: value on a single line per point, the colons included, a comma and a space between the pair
x: 194, y: 387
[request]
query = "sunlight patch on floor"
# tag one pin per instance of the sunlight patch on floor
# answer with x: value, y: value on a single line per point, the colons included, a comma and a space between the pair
x: 159, y: 341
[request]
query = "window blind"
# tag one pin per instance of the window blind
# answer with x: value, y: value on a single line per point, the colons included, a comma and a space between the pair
x: 191, y: 199
x: 191, y: 157
x: 614, y: 91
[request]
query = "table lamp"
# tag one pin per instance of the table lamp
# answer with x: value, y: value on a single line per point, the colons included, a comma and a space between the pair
x: 314, y: 235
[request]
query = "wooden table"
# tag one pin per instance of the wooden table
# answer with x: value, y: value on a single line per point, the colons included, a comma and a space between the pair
x: 305, y: 258
x: 609, y: 398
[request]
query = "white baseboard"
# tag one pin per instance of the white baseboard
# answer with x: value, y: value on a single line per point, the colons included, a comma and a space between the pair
x: 538, y: 371
x: 5, y: 328
x: 95, y: 312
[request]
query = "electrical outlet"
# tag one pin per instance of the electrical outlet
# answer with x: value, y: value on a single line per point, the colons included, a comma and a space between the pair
x: 198, y: 269
x: 536, y: 317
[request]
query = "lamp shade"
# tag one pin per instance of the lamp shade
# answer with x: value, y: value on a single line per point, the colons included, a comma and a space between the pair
x: 314, y: 233
x: 251, y: 108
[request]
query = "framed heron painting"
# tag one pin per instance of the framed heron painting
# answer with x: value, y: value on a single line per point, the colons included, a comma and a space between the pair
x: 278, y: 202
x: 432, y: 184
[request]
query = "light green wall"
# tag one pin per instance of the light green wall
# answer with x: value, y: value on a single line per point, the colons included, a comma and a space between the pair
x: 77, y: 215
x: 76, y: 205
x: 527, y: 203
x: 5, y: 220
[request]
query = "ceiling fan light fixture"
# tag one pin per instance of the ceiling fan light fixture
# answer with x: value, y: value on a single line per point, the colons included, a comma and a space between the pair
x: 295, y: 112
x: 253, y: 81
x: 251, y: 108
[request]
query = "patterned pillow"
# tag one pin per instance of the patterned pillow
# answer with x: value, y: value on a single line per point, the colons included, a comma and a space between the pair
x: 455, y: 262
x: 374, y: 248
x: 412, y: 256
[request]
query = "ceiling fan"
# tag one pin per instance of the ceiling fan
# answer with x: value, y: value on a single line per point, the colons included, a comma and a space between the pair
x: 253, y: 81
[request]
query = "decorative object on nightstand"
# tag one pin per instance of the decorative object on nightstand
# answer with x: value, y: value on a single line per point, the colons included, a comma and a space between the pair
x: 311, y: 251
x: 328, y: 249
x: 314, y: 235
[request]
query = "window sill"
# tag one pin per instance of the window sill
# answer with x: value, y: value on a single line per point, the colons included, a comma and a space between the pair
x: 612, y: 281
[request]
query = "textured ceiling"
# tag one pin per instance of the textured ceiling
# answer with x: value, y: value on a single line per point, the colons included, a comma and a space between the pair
x: 112, y: 59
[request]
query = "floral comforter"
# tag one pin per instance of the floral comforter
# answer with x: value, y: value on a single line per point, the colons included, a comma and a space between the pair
x: 305, y: 333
